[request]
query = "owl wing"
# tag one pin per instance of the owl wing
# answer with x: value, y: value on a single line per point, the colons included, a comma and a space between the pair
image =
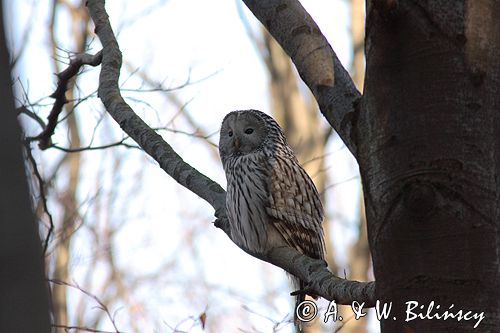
x: 295, y: 206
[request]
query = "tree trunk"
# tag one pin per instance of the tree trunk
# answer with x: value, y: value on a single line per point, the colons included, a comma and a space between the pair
x: 24, y: 302
x: 429, y: 154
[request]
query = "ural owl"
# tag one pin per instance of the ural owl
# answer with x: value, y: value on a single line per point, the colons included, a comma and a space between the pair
x: 271, y: 201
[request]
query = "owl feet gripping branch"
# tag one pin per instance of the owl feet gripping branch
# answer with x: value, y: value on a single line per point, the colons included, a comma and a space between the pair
x: 271, y: 201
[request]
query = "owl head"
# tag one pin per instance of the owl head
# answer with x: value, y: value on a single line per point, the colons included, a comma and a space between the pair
x: 248, y: 131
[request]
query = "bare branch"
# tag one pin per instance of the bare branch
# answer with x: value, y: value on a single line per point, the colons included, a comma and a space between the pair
x: 138, y: 130
x: 174, y: 99
x: 319, y: 280
x: 60, y: 94
x: 294, y: 29
x: 80, y: 149
x: 195, y: 134
x: 24, y: 110
x: 314, y: 272
x: 101, y: 305
x: 43, y: 197
x: 122, y: 142
x: 80, y: 328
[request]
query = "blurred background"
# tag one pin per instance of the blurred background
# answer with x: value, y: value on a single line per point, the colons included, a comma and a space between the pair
x: 131, y: 250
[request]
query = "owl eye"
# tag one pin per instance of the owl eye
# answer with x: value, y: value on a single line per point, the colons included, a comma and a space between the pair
x: 249, y: 131
x: 230, y: 133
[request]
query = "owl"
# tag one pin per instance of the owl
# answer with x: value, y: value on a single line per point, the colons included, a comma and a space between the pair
x: 271, y: 201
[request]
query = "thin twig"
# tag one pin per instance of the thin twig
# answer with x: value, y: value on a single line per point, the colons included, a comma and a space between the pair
x: 195, y: 134
x: 90, y: 148
x: 102, y: 306
x: 43, y: 197
x: 80, y: 328
x: 24, y: 110
x: 174, y: 99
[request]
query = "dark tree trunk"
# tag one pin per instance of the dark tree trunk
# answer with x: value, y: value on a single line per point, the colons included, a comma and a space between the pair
x: 24, y: 304
x: 429, y: 155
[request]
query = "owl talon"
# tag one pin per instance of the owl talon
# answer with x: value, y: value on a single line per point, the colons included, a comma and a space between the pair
x: 304, y: 291
x: 222, y: 223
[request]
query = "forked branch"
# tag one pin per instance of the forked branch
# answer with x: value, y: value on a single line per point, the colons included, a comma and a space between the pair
x: 59, y: 94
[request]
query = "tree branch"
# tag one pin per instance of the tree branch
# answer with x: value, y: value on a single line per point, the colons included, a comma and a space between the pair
x: 300, y: 37
x: 100, y: 304
x: 60, y: 94
x: 43, y: 196
x: 320, y: 280
x: 314, y: 272
x: 135, y: 127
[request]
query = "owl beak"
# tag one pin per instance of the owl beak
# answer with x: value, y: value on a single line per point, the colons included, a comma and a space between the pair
x: 236, y: 143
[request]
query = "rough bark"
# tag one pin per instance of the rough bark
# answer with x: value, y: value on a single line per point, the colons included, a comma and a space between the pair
x: 428, y: 154
x: 24, y: 302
